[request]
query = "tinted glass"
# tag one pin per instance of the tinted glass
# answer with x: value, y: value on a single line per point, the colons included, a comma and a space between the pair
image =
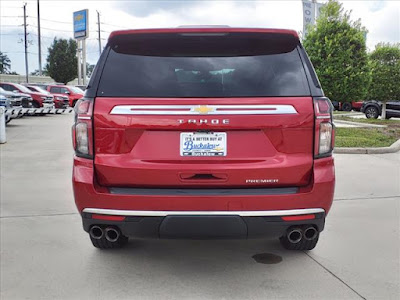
x: 55, y: 90
x: 38, y: 89
x: 209, y: 69
x: 76, y: 90
x: 22, y: 88
x: 7, y: 87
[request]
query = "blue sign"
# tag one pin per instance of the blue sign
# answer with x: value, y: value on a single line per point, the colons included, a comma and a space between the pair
x: 81, y: 29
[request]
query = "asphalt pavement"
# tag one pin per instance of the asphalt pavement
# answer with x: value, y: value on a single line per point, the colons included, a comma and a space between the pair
x: 45, y: 254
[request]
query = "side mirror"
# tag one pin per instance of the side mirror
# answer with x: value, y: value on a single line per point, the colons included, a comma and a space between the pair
x: 67, y: 92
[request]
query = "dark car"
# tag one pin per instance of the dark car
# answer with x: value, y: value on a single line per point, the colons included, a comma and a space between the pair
x: 373, y: 109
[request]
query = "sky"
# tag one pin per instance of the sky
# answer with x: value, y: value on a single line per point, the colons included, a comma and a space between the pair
x: 381, y: 18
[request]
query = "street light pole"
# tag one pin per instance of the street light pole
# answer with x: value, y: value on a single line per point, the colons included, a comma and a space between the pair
x: 98, y: 29
x: 39, y: 40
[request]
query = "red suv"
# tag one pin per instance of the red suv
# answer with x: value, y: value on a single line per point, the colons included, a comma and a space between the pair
x: 39, y: 99
x: 60, y: 101
x: 73, y: 93
x: 204, y: 133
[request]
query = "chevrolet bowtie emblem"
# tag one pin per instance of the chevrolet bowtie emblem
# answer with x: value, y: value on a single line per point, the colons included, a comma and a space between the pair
x: 203, y: 109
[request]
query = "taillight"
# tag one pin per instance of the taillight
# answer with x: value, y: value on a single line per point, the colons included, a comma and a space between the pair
x: 82, y: 134
x: 324, y: 128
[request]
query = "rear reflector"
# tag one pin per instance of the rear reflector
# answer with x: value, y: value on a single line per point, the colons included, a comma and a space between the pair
x: 325, y: 137
x: 108, y: 218
x: 298, y: 218
x: 82, y: 129
x: 324, y: 128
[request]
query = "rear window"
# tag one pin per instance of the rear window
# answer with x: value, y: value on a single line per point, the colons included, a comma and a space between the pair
x: 196, y: 65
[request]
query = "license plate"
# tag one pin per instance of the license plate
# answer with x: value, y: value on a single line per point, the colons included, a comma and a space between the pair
x: 203, y: 144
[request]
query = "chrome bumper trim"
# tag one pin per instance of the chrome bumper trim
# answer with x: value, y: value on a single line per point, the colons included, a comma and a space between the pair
x: 147, y: 213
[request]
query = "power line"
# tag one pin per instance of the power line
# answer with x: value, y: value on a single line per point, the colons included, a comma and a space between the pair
x: 1, y: 25
x: 113, y: 25
x: 19, y: 52
x: 52, y: 29
x: 42, y: 36
x: 54, y: 21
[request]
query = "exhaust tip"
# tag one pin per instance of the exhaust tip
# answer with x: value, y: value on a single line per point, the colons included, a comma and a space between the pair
x: 294, y: 235
x: 96, y: 232
x: 310, y: 233
x: 112, y: 234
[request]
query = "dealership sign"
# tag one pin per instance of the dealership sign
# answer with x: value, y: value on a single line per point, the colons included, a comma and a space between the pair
x: 311, y: 11
x: 308, y: 15
x: 81, y: 29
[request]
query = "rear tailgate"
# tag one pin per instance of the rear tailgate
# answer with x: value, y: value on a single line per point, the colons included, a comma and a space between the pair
x: 144, y: 150
x: 216, y: 111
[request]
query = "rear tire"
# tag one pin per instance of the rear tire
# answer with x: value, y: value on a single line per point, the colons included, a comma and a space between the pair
x: 346, y: 106
x: 302, y: 245
x: 103, y: 243
x: 371, y: 112
x: 35, y: 104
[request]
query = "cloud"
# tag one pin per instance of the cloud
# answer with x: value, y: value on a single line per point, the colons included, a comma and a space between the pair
x: 383, y: 24
x: 381, y: 19
x: 376, y: 5
x: 150, y: 7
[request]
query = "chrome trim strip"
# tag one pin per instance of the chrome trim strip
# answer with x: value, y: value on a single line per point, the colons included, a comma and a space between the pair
x: 84, y: 118
x: 209, y: 110
x: 146, y: 213
x: 203, y: 192
x: 323, y: 117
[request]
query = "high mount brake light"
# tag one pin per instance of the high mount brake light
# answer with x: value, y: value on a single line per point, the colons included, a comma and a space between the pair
x: 324, y: 128
x: 82, y: 133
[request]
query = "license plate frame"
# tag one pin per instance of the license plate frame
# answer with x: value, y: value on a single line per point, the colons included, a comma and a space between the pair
x: 203, y: 144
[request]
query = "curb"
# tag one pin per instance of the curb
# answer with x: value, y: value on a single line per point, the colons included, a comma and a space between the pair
x: 357, y: 124
x: 392, y: 149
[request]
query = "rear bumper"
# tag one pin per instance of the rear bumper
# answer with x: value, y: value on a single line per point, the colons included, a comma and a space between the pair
x: 198, y: 225
x: 257, y: 213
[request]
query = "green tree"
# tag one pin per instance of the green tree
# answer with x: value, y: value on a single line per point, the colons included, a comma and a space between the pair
x: 62, y: 60
x: 385, y: 70
x: 337, y: 48
x: 5, y: 63
x: 89, y: 69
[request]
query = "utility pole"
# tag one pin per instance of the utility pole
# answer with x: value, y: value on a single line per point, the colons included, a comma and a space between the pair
x: 26, y: 46
x: 39, y: 39
x: 98, y: 29
x: 79, y: 61
x: 84, y: 61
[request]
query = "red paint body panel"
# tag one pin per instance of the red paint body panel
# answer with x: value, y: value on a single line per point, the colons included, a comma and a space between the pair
x: 136, y: 150
x: 318, y: 194
x: 357, y: 105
